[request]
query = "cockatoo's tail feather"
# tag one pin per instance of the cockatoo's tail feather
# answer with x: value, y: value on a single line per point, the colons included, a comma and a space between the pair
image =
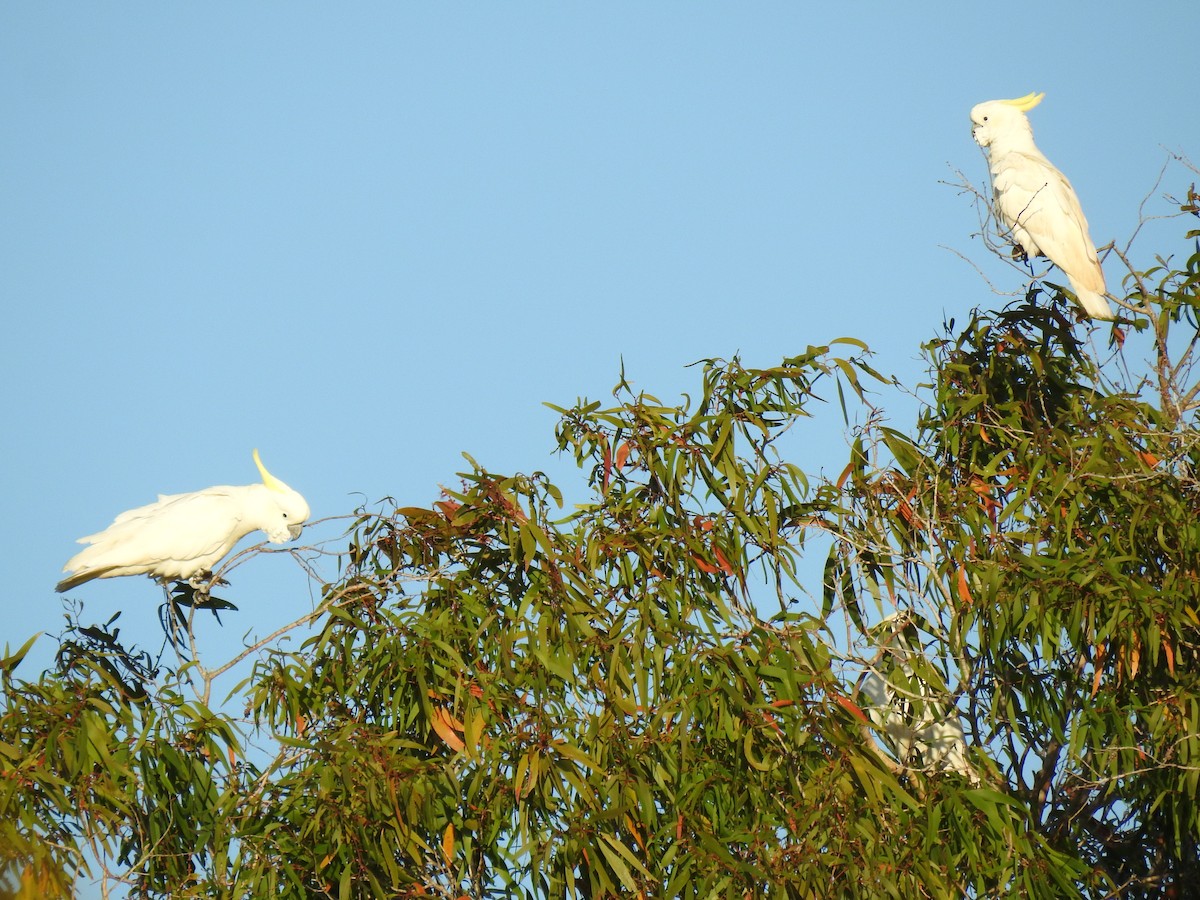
x: 1094, y: 304
x: 75, y: 580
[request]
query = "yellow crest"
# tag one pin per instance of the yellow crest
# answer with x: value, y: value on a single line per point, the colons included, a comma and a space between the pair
x: 1026, y: 103
x: 268, y: 479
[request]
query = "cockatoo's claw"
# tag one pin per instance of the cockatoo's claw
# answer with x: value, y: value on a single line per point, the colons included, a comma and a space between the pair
x: 203, y: 583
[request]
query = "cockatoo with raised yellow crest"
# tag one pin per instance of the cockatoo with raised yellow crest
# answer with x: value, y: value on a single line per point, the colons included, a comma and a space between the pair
x: 1035, y: 201
x: 182, y: 535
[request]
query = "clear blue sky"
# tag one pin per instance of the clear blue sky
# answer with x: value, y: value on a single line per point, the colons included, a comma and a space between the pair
x: 368, y: 237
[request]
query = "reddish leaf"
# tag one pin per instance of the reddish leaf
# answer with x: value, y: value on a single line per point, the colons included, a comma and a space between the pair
x: 853, y: 708
x: 629, y: 823
x: 845, y: 474
x: 773, y: 722
x: 622, y: 455
x: 964, y: 591
x: 445, y: 725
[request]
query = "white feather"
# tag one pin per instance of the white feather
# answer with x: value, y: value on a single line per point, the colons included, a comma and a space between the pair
x: 181, y: 535
x: 1036, y: 202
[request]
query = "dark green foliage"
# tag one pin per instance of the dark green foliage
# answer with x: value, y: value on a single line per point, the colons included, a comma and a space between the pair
x: 505, y: 698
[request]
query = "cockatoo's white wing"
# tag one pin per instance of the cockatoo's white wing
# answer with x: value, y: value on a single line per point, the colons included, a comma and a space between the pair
x: 1037, y: 202
x: 175, y: 537
x: 945, y: 747
x: 917, y: 727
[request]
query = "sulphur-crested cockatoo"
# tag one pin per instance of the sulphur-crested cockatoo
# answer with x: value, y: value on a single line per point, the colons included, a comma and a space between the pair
x: 182, y: 535
x: 1035, y: 201
x: 917, y: 721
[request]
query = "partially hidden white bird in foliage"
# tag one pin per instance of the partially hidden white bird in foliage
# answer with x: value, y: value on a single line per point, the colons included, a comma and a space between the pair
x: 182, y: 535
x: 1035, y: 201
x: 918, y: 721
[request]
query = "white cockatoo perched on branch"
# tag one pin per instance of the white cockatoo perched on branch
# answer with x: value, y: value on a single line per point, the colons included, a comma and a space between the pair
x: 182, y: 535
x: 1035, y: 201
x: 917, y: 721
